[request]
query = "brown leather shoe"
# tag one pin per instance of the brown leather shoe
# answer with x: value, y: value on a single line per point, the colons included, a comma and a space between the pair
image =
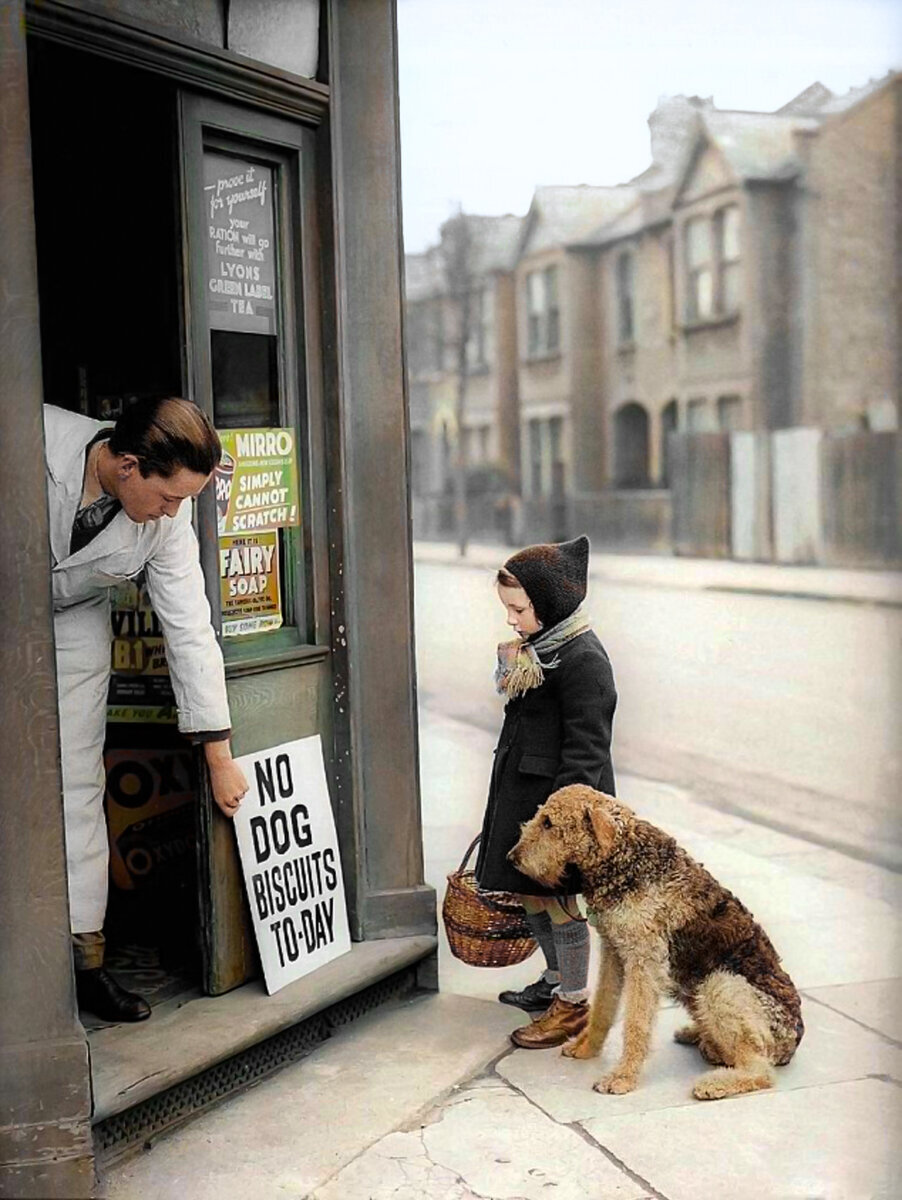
x: 562, y: 1021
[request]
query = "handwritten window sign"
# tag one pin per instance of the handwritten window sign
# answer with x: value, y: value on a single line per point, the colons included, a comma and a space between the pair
x: 240, y: 240
x: 257, y: 481
x: 289, y: 856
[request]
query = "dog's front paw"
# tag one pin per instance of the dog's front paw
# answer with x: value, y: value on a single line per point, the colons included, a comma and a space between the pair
x: 579, y: 1047
x: 615, y: 1084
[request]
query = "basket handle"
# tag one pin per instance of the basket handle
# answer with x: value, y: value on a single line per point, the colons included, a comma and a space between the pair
x: 466, y: 858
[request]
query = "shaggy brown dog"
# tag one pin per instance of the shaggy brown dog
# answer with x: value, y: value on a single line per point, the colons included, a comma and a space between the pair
x: 667, y: 926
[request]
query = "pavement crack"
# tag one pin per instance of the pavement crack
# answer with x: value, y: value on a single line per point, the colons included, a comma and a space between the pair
x: 855, y: 1021
x: 585, y: 1135
x: 614, y: 1160
x: 896, y: 1083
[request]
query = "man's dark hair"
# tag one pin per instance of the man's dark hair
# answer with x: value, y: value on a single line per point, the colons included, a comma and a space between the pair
x: 165, y: 435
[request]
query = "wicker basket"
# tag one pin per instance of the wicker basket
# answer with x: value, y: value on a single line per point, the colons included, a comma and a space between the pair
x: 485, y: 929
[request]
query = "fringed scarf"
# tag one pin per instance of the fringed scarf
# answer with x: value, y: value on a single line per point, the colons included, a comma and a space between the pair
x: 520, y: 665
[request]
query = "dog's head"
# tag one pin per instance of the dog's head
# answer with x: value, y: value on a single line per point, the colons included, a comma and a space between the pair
x: 575, y: 826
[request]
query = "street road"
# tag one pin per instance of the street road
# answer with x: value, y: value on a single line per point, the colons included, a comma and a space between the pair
x: 785, y: 709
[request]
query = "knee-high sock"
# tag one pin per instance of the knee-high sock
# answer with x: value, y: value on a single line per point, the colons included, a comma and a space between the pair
x: 540, y: 924
x: 571, y: 944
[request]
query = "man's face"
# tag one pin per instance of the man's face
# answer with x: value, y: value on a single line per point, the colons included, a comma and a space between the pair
x: 148, y: 499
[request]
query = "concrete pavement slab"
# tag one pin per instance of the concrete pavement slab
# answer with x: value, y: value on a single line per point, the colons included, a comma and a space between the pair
x: 485, y: 1142
x: 834, y: 1049
x: 838, y: 949
x: 867, y: 878
x: 288, y: 1135
x: 828, y: 1143
x: 876, y: 1005
x: 503, y: 1146
x: 397, y: 1168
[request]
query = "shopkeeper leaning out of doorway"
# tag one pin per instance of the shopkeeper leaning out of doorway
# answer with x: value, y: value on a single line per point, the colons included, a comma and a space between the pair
x: 119, y: 504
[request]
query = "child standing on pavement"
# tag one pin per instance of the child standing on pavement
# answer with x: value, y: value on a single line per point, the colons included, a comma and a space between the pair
x: 557, y: 730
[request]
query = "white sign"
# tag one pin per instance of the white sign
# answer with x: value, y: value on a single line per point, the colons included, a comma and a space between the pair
x: 289, y: 855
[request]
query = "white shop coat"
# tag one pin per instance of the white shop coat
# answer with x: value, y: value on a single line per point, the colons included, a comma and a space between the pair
x: 167, y: 550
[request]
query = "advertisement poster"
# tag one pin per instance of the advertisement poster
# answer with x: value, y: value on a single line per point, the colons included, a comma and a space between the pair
x: 150, y: 814
x: 140, y: 689
x: 289, y: 857
x: 257, y: 481
x: 249, y: 578
x: 240, y: 245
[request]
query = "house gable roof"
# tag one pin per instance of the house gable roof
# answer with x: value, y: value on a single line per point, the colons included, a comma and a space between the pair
x: 559, y: 216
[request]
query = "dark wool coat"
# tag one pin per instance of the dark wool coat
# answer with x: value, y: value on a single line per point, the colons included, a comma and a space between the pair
x: 555, y: 734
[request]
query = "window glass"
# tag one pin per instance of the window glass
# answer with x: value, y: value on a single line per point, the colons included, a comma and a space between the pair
x: 535, y: 458
x: 535, y: 292
x: 488, y: 327
x: 551, y: 286
x: 543, y: 315
x: 257, y: 486
x: 553, y: 326
x: 729, y: 235
x: 697, y: 417
x: 727, y: 226
x: 625, y: 293
x: 729, y: 412
x: 245, y: 379
x: 731, y: 287
x: 700, y: 276
x: 703, y: 293
x: 698, y: 243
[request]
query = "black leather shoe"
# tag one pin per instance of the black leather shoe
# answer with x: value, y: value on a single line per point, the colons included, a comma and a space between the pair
x: 535, y: 997
x: 99, y: 993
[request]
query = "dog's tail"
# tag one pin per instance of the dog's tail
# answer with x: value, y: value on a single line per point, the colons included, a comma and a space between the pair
x: 752, y: 1074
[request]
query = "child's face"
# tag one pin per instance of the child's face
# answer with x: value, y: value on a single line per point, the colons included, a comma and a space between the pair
x: 520, y: 613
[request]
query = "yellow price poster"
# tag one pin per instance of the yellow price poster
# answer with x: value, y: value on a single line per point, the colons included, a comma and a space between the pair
x: 249, y: 579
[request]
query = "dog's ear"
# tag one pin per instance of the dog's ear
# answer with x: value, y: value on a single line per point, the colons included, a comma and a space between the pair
x: 600, y: 825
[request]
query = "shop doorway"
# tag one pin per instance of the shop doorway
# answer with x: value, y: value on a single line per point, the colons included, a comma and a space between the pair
x: 104, y: 155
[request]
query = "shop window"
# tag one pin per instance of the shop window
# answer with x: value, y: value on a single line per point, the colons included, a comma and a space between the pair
x: 626, y: 273
x: 631, y: 446
x: 542, y: 312
x: 255, y: 409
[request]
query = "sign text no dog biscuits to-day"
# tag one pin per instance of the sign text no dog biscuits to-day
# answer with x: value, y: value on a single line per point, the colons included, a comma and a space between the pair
x: 289, y: 857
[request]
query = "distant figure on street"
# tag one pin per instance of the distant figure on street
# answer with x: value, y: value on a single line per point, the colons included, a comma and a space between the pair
x: 557, y: 730
x: 119, y: 502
